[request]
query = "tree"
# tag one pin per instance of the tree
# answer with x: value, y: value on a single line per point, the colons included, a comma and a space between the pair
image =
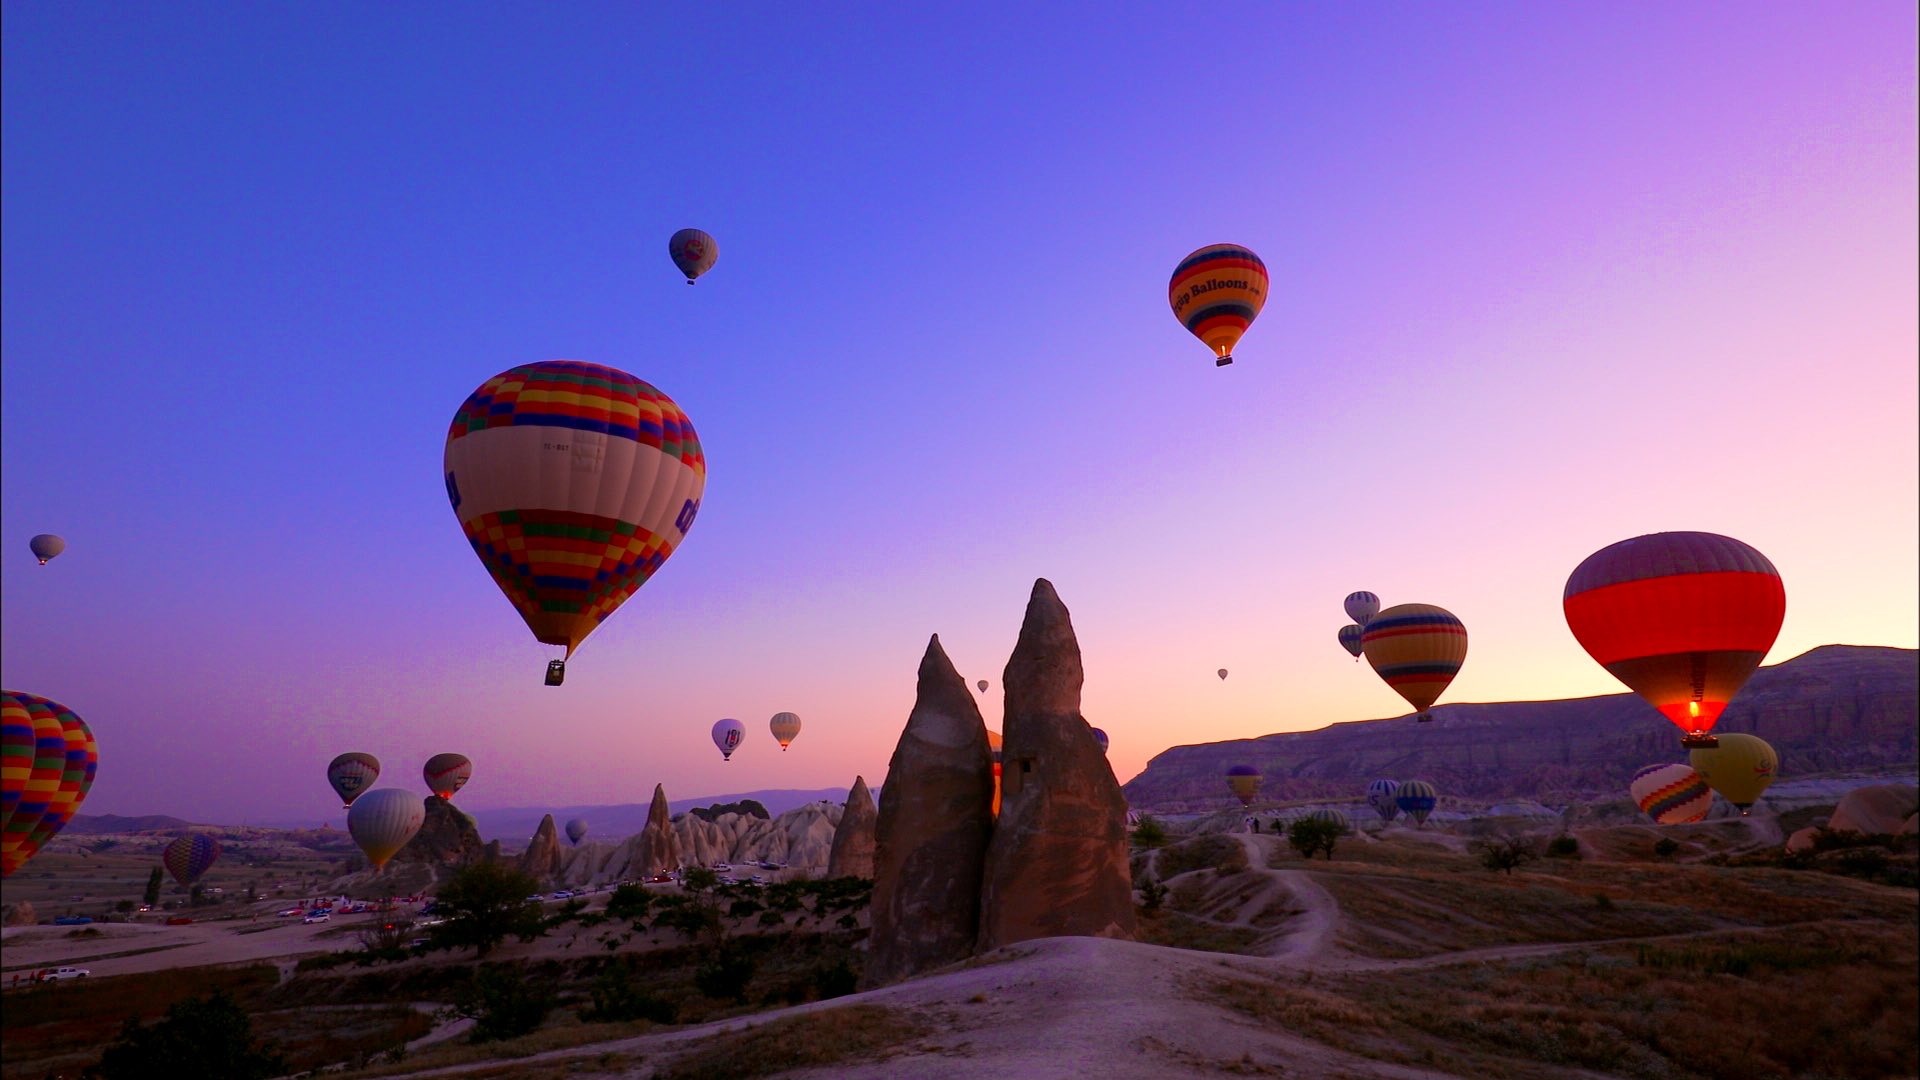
x: 1504, y: 853
x: 1149, y: 833
x: 619, y: 996
x: 486, y: 903
x: 1309, y: 835
x: 629, y: 902
x: 152, y: 895
x: 1665, y: 846
x: 199, y: 1037
x: 501, y: 1001
x: 1152, y: 894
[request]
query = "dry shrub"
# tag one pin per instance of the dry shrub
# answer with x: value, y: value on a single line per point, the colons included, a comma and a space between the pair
x: 1178, y: 931
x: 1208, y: 852
x: 829, y: 1037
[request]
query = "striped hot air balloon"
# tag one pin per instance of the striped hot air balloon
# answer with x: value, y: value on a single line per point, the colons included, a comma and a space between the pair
x: 47, y: 763
x: 573, y: 482
x: 1671, y: 794
x: 1739, y: 767
x: 785, y: 727
x: 190, y: 856
x: 1216, y: 293
x: 1380, y: 795
x: 352, y: 773
x: 1682, y: 618
x: 1417, y: 649
x: 693, y: 252
x: 447, y: 773
x: 993, y: 744
x: 1361, y: 606
x: 1350, y: 638
x: 1332, y: 817
x: 1416, y: 799
x: 383, y: 820
x: 1244, y: 782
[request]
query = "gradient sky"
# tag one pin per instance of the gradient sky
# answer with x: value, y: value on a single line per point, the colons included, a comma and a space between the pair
x: 1544, y: 277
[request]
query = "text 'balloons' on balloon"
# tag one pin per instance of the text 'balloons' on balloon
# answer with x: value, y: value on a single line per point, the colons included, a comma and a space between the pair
x: 383, y: 820
x: 447, y: 773
x: 48, y: 759
x: 693, y: 252
x: 1361, y: 606
x: 46, y: 546
x: 190, y: 856
x: 1671, y: 794
x: 1416, y: 799
x: 785, y: 727
x: 1380, y: 796
x: 1216, y: 292
x: 350, y: 774
x: 727, y: 735
x: 1416, y: 649
x: 1244, y: 782
x: 576, y: 831
x: 1739, y: 767
x: 1350, y: 638
x: 1682, y: 618
x: 573, y: 483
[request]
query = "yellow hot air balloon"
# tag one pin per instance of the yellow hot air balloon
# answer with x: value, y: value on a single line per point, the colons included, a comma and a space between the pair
x: 993, y: 744
x: 1216, y: 293
x: 1740, y: 768
x: 1417, y: 649
x: 785, y: 726
x: 383, y: 820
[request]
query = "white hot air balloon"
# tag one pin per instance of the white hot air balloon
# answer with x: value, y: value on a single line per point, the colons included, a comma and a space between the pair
x: 1362, y: 606
x: 727, y: 735
x: 383, y: 820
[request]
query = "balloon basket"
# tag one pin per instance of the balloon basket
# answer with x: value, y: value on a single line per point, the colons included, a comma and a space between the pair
x: 1223, y: 361
x: 1423, y: 718
x: 1700, y: 740
x: 556, y: 672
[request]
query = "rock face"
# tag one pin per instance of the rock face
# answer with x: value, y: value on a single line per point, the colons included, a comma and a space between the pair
x: 447, y: 838
x: 1057, y: 866
x: 657, y: 849
x: 931, y: 832
x: 852, y: 854
x: 1831, y: 709
x: 541, y: 860
x: 1876, y: 810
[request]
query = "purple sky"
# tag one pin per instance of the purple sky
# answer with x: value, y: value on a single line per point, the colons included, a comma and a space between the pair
x: 1544, y: 278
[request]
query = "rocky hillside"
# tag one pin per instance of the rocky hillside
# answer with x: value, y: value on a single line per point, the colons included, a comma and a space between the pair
x: 1835, y: 707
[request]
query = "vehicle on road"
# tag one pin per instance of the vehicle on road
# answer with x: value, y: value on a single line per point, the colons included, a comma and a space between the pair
x: 180, y: 920
x: 72, y: 920
x: 52, y: 974
x: 288, y: 913
x: 318, y: 917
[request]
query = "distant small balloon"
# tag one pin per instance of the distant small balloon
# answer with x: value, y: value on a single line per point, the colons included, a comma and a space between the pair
x: 785, y: 727
x: 693, y: 252
x: 447, y: 773
x: 576, y: 831
x: 982, y: 684
x: 727, y: 735
x: 351, y: 774
x: 1222, y: 673
x: 1244, y: 782
x: 1362, y: 606
x: 1350, y: 638
x: 190, y: 856
x: 1101, y: 738
x: 1416, y: 799
x: 46, y: 546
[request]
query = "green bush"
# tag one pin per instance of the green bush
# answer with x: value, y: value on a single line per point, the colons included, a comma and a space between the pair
x: 630, y: 902
x: 200, y: 1037
x: 1563, y: 847
x: 502, y: 1002
x: 1149, y: 833
x: 618, y: 996
x: 724, y: 975
x: 1308, y: 835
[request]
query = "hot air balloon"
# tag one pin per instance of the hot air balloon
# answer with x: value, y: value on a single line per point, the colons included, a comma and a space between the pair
x: 1332, y: 817
x: 47, y: 762
x: 1216, y: 293
x: 383, y: 820
x: 1380, y: 795
x: 573, y: 482
x: 576, y: 831
x: 1101, y: 738
x: 727, y: 735
x: 1671, y: 794
x: 982, y: 684
x: 350, y: 774
x: 1244, y: 782
x: 993, y: 744
x: 785, y: 726
x: 447, y: 773
x: 1222, y: 673
x: 1350, y: 640
x: 1416, y: 799
x: 693, y: 252
x: 1361, y: 607
x: 189, y: 856
x: 1739, y: 767
x: 46, y: 546
x: 1683, y: 618
x: 1417, y: 649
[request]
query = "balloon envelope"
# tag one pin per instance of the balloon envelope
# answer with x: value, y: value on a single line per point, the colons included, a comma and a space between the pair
x: 993, y: 744
x: 47, y: 763
x: 982, y: 684
x: 785, y: 727
x: 383, y: 820
x: 352, y: 773
x: 1671, y: 794
x: 189, y: 856
x: 447, y: 773
x: 1350, y: 639
x: 1222, y: 673
x: 1332, y: 817
x: 1380, y: 794
x: 1682, y: 618
x: 1416, y: 799
x: 573, y: 482
x: 46, y: 546
x: 693, y: 252
x: 1216, y: 292
x: 1101, y: 738
x: 576, y: 831
x: 1361, y: 606
x: 1740, y: 768
x: 727, y: 735
x: 1417, y: 649
x: 1244, y: 782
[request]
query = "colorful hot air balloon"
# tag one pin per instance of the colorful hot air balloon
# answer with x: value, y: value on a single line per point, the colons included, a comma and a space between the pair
x: 573, y: 482
x: 1416, y: 799
x: 1216, y: 293
x: 46, y: 546
x: 350, y: 774
x: 1361, y: 607
x: 1683, y: 618
x: 447, y: 773
x: 1350, y: 640
x: 1671, y: 794
x: 785, y: 726
x: 1332, y: 817
x: 1380, y: 795
x: 1244, y: 782
x: 982, y: 684
x: 47, y: 763
x: 993, y: 744
x: 1101, y: 738
x: 1740, y: 767
x: 693, y: 252
x: 576, y: 831
x: 383, y: 820
x: 189, y: 856
x: 1417, y: 649
x: 727, y: 735
x: 1222, y: 673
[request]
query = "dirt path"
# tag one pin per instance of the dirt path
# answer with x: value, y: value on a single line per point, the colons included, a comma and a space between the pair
x: 1308, y: 936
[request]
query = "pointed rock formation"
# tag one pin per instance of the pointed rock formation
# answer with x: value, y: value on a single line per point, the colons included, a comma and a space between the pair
x: 542, y: 857
x: 930, y: 837
x: 852, y: 854
x: 657, y: 849
x: 1058, y: 863
x: 447, y: 838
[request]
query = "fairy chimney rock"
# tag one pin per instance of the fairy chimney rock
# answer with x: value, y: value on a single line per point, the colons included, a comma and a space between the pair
x: 542, y: 857
x: 852, y: 853
x: 1057, y: 866
x: 659, y: 847
x: 930, y: 836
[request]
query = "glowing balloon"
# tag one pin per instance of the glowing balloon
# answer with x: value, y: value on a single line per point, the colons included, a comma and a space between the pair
x: 993, y: 744
x: 1222, y: 673
x: 693, y: 252
x: 1216, y: 293
x: 576, y: 831
x: 47, y: 763
x: 447, y: 773
x: 1682, y: 618
x: 189, y: 856
x: 1417, y: 649
x: 785, y: 727
x: 1350, y: 640
x: 1740, y: 767
x: 573, y: 482
x: 383, y: 820
x: 982, y: 684
x: 1362, y: 606
x: 1671, y: 794
x: 46, y: 546
x: 727, y: 735
x: 1101, y: 738
x: 351, y: 774
x: 1380, y: 794
x: 1244, y: 782
x: 1416, y: 799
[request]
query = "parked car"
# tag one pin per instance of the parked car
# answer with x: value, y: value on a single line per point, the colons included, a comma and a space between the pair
x: 660, y: 879
x: 318, y: 916
x: 180, y: 920
x: 72, y: 920
x: 722, y: 867
x: 51, y: 974
x: 760, y: 879
x: 561, y: 895
x: 288, y: 913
